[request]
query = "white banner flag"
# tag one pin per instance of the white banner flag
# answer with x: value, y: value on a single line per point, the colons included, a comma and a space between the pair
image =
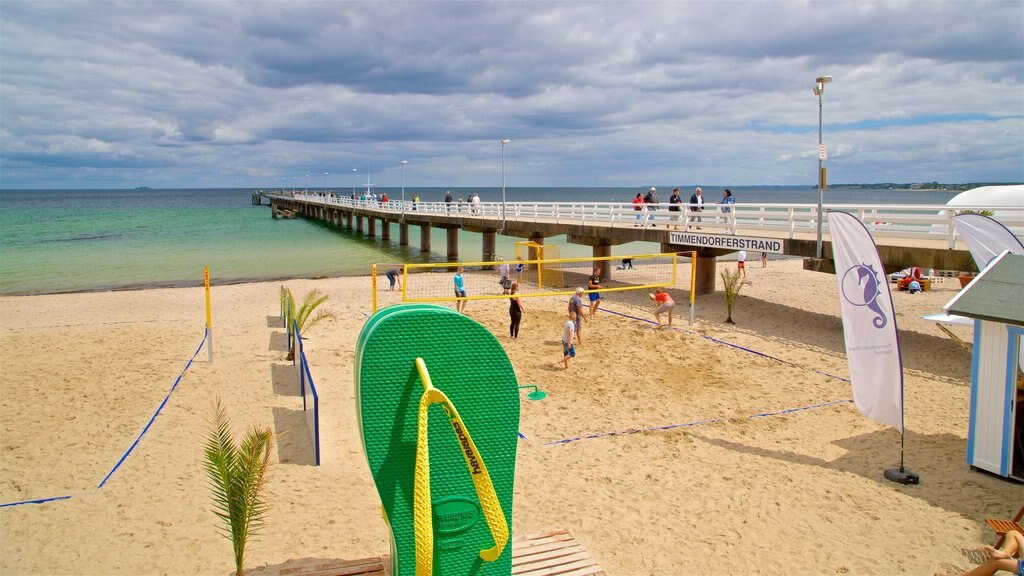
x: 985, y: 238
x: 869, y: 324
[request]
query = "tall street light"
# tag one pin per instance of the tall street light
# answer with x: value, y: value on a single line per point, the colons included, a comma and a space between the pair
x: 325, y: 183
x: 404, y: 162
x: 819, y: 89
x: 306, y: 191
x: 503, y: 142
x: 354, y: 170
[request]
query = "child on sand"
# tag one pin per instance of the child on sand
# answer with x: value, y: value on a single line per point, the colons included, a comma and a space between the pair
x: 568, y: 333
x: 460, y: 291
x: 663, y: 302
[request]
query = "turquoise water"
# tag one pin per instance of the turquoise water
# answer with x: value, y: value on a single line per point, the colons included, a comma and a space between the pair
x: 85, y: 240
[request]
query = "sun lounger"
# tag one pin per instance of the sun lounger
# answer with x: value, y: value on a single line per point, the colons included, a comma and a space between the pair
x: 1003, y: 526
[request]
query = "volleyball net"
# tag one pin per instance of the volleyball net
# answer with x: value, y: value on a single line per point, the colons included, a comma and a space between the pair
x: 436, y: 282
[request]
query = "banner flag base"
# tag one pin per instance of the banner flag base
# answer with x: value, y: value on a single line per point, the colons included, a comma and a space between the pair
x: 902, y: 475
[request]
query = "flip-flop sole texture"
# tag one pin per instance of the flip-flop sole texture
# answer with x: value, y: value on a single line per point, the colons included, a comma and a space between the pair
x: 470, y: 366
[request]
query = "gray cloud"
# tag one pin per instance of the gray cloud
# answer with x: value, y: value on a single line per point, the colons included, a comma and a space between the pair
x: 598, y: 93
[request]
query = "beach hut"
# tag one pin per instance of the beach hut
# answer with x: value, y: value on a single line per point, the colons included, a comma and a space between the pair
x: 995, y: 301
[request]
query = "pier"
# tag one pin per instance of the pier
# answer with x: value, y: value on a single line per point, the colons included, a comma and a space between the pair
x: 906, y: 235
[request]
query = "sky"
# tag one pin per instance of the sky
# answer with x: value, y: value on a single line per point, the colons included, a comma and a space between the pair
x: 276, y: 94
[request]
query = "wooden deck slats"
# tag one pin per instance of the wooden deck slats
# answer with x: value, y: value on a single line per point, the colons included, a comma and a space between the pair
x: 554, y: 553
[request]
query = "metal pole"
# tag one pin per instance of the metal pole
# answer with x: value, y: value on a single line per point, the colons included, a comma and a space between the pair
x: 354, y: 170
x: 325, y: 183
x: 503, y: 142
x: 404, y: 162
x: 821, y: 191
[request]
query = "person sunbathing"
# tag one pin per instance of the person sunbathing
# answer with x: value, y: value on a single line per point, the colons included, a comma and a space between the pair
x: 1007, y: 558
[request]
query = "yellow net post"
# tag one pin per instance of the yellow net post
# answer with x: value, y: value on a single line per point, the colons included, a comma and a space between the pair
x: 693, y: 285
x: 373, y: 286
x: 209, y: 321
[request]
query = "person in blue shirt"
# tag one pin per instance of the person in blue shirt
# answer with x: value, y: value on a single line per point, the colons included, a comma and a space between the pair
x: 460, y: 291
x: 727, y: 201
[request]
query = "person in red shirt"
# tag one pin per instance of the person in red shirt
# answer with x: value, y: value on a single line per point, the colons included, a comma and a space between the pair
x: 638, y: 205
x: 663, y: 302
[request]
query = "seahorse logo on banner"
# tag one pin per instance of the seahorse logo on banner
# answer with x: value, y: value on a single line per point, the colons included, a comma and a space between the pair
x: 861, y: 287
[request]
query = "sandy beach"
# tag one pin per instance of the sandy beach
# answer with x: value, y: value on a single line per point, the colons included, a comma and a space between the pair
x: 752, y: 485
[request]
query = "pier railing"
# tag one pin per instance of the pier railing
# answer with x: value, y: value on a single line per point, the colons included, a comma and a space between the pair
x: 895, y: 221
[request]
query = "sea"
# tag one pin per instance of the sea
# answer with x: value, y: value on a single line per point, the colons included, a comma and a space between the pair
x: 56, y: 241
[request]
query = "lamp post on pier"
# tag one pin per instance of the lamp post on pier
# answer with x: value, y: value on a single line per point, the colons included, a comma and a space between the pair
x: 404, y: 162
x: 325, y: 183
x: 306, y: 191
x: 354, y: 170
x: 503, y: 143
x: 819, y: 89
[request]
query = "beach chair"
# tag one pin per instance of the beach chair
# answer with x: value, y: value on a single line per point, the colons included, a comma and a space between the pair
x: 1003, y: 526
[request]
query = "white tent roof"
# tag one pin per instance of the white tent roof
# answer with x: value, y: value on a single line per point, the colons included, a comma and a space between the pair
x: 990, y: 196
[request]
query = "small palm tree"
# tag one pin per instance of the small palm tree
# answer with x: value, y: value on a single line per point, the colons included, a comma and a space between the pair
x: 305, y: 316
x: 237, y: 476
x: 732, y: 283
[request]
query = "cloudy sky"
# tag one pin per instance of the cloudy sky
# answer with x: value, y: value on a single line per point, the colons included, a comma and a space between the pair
x: 254, y: 94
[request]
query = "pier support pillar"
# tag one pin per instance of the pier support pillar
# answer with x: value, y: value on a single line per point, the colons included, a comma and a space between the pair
x: 371, y: 225
x: 707, y: 269
x: 385, y: 230
x: 453, y: 244
x: 348, y: 220
x: 359, y: 223
x: 488, y: 245
x: 403, y: 234
x: 606, y: 266
x: 425, y: 237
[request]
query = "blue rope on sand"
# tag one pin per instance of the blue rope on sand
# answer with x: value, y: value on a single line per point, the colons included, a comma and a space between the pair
x: 730, y: 344
x: 39, y: 501
x: 206, y: 334
x: 715, y: 420
x: 696, y: 423
x: 134, y: 444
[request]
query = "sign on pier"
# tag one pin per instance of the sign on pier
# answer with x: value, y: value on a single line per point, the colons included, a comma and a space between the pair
x: 752, y: 243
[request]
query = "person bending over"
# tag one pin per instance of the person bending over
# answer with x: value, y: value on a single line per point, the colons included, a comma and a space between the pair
x: 663, y: 302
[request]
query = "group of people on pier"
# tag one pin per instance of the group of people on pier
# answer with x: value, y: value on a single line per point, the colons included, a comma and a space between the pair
x: 647, y: 205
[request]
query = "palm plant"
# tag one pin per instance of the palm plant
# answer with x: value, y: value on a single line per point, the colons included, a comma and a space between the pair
x: 237, y: 479
x: 305, y: 316
x: 310, y: 302
x: 732, y: 283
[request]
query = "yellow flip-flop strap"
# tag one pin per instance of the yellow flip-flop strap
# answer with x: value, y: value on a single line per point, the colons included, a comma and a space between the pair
x: 422, y: 514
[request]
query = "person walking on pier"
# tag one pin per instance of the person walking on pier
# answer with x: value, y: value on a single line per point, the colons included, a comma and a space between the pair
x: 651, y: 204
x: 727, y: 201
x: 675, y: 206
x: 697, y: 205
x: 447, y: 201
x: 638, y: 207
